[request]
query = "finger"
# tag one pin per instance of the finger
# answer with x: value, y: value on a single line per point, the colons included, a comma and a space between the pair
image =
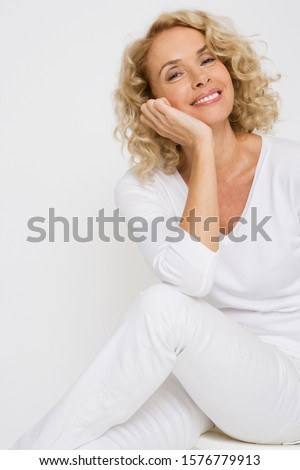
x: 147, y: 113
x: 164, y: 101
x: 148, y: 122
x: 150, y: 107
x: 155, y: 124
x: 160, y: 105
x: 151, y: 112
x: 162, y: 109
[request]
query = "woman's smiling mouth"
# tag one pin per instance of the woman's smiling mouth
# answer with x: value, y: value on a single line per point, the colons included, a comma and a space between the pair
x: 207, y: 98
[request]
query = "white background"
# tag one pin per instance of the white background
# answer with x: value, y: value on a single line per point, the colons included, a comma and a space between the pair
x: 59, y: 66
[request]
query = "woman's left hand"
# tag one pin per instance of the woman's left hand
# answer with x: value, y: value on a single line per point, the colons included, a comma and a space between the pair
x: 174, y: 124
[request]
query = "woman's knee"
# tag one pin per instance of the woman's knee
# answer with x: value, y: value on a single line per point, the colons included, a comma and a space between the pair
x: 163, y: 296
x: 158, y: 303
x: 162, y: 291
x: 162, y: 307
x: 163, y: 302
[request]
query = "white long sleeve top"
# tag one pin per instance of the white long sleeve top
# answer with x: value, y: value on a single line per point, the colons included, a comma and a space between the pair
x: 254, y: 277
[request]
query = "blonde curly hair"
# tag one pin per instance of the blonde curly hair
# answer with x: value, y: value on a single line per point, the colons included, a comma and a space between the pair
x: 255, y: 104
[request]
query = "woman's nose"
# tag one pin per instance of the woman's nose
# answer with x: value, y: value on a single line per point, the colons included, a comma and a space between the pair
x: 200, y: 79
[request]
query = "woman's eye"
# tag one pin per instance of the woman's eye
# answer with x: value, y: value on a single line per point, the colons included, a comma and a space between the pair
x: 209, y: 60
x: 174, y: 75
x: 204, y: 62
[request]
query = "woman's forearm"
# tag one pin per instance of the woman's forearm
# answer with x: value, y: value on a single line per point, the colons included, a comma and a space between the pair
x: 202, y: 200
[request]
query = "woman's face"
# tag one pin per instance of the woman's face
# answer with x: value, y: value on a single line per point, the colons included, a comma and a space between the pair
x: 194, y: 74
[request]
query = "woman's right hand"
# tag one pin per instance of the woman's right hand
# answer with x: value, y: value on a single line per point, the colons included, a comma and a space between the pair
x: 174, y: 124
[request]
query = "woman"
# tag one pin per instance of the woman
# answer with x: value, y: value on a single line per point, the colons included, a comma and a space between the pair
x: 217, y: 343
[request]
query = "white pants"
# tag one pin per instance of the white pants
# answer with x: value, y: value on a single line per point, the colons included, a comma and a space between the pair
x: 175, y: 367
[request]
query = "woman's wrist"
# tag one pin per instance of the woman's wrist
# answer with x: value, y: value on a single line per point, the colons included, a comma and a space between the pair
x: 201, y: 150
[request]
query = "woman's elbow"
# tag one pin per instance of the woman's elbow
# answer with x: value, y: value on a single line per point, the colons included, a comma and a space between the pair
x: 191, y: 282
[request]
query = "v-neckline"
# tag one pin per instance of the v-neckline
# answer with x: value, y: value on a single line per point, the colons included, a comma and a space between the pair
x: 226, y: 238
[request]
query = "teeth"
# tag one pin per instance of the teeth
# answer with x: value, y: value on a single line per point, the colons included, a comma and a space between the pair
x: 207, y: 98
